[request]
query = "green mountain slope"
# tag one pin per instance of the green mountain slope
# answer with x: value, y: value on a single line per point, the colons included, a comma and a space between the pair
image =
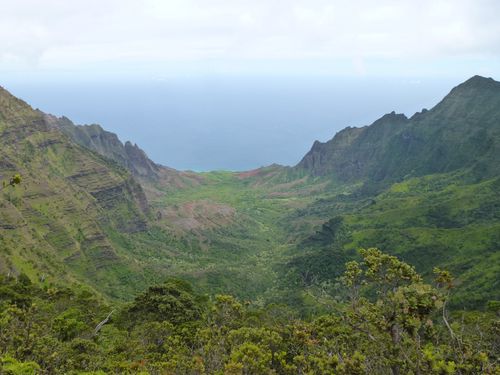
x: 56, y: 223
x: 462, y: 131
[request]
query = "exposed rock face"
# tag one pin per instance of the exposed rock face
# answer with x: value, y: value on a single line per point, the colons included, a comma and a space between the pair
x: 455, y: 133
x: 320, y: 160
x: 139, y: 163
x: 107, y: 144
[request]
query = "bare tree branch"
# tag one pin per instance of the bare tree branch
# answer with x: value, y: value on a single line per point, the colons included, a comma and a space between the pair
x: 101, y: 324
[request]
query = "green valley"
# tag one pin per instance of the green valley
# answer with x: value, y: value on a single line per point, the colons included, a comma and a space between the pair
x: 96, y: 224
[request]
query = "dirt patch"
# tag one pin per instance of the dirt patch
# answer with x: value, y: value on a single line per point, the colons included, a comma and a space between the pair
x: 196, y: 215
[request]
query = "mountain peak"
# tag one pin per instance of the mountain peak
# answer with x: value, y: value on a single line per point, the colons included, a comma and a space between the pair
x: 476, y: 95
x: 478, y: 82
x: 480, y: 79
x: 392, y: 117
x: 15, y: 110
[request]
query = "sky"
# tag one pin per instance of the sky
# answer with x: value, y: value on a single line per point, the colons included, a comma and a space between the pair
x: 173, y: 37
x: 397, y: 54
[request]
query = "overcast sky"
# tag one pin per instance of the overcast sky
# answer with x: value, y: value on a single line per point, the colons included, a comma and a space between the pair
x: 176, y: 37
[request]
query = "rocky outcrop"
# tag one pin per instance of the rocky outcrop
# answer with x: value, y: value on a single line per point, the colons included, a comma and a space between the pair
x: 138, y: 162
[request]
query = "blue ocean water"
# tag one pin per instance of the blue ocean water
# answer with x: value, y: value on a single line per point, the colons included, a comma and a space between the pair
x: 229, y: 123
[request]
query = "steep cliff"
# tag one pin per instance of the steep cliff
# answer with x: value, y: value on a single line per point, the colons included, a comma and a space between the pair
x: 107, y: 144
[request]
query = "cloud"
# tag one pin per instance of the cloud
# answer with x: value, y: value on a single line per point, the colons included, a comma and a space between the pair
x: 54, y: 34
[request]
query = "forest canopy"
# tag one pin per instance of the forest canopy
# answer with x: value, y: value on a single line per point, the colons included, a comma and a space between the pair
x: 389, y: 321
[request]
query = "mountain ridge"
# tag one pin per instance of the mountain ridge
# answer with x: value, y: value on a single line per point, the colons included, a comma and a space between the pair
x: 358, y: 153
x: 107, y: 144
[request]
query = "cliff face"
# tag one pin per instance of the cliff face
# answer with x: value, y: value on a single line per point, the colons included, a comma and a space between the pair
x: 107, y: 144
x: 69, y: 200
x: 138, y: 162
x: 459, y: 132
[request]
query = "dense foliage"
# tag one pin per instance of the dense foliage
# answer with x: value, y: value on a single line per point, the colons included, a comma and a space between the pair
x: 389, y: 321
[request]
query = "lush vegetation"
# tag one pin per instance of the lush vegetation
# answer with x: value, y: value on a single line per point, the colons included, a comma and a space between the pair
x: 387, y: 321
x: 283, y: 243
x: 259, y: 272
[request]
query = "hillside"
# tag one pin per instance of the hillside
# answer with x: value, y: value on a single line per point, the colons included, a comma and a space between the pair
x: 424, y: 188
x: 57, y: 224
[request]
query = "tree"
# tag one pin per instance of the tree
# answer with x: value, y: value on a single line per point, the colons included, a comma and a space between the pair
x: 392, y: 306
x: 14, y: 181
x: 173, y: 301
